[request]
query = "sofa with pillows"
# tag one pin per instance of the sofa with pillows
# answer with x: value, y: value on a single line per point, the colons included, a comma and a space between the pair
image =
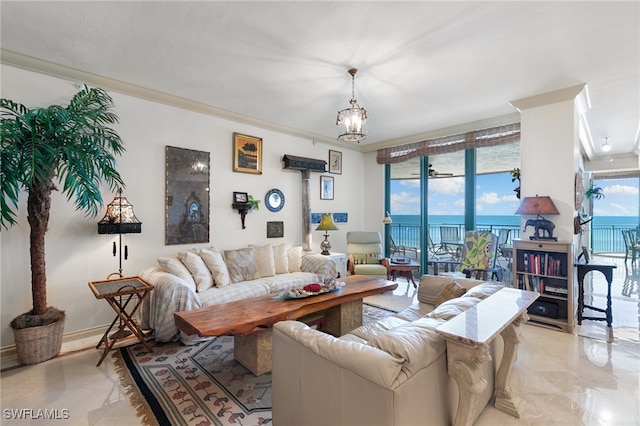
x: 199, y: 278
x: 389, y: 372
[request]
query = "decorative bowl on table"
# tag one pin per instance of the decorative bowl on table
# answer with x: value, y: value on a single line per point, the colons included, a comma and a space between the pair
x: 313, y: 289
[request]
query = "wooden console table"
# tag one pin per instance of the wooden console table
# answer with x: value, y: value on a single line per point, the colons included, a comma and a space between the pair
x: 468, y: 336
x: 113, y: 291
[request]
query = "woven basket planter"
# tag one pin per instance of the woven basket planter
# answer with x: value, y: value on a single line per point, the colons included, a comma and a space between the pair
x: 37, y: 344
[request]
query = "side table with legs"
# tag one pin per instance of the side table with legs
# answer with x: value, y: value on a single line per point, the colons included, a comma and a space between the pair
x: 118, y: 293
x: 404, y: 269
x: 607, y: 271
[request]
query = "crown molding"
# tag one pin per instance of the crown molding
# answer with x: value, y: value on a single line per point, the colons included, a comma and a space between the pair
x: 76, y: 76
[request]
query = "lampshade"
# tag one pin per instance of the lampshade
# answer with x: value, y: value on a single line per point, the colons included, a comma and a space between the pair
x: 387, y: 218
x: 537, y: 206
x: 326, y: 224
x: 119, y: 218
x: 351, y: 119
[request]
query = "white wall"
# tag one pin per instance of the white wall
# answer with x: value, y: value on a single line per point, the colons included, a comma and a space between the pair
x: 76, y: 254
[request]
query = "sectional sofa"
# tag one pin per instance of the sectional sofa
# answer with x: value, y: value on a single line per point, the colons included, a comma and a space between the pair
x: 199, y: 278
x: 389, y: 372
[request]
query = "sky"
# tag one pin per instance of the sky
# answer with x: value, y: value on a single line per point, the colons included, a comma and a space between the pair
x: 495, y: 196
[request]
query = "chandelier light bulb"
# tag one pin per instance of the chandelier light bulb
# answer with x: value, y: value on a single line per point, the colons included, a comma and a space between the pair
x: 605, y: 146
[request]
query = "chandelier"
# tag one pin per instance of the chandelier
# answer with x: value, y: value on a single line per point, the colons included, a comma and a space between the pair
x: 351, y: 119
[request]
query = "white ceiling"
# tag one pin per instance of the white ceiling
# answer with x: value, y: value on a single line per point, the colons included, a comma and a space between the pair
x: 424, y: 66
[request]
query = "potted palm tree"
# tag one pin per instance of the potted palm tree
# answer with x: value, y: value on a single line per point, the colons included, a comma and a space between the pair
x: 40, y: 147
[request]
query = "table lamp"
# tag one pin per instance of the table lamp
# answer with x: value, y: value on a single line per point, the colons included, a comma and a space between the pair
x: 539, y: 206
x: 326, y: 224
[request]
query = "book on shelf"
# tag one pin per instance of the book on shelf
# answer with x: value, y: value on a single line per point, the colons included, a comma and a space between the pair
x: 542, y: 264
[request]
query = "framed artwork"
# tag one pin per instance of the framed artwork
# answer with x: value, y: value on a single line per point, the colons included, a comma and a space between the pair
x: 187, y: 196
x: 337, y: 217
x: 247, y: 154
x: 240, y: 197
x: 326, y: 187
x: 275, y: 229
x: 335, y: 162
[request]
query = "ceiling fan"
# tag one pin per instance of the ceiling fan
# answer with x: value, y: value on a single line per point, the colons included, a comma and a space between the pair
x: 433, y: 173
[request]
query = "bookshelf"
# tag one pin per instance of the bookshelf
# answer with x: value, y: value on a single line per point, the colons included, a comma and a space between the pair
x: 546, y: 267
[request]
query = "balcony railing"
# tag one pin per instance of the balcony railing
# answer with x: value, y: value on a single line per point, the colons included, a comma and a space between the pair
x: 408, y: 234
x: 603, y: 239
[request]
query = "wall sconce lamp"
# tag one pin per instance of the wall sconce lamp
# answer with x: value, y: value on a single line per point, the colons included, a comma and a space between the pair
x: 387, y: 219
x: 326, y: 224
x: 538, y: 206
x: 120, y: 219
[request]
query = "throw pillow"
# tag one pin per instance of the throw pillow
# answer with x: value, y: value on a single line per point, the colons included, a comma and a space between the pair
x: 263, y: 256
x: 294, y: 255
x: 197, y: 268
x: 452, y: 308
x: 450, y: 291
x: 241, y: 265
x: 280, y: 258
x: 173, y: 266
x: 215, y: 263
x: 482, y: 291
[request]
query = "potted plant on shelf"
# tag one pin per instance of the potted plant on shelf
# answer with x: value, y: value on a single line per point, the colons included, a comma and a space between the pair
x: 253, y: 203
x: 594, y: 192
x: 515, y: 176
x: 72, y: 145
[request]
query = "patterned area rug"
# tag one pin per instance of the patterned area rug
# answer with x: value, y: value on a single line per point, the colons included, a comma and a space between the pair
x: 199, y: 385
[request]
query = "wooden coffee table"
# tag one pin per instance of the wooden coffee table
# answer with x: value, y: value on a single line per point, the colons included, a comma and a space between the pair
x: 250, y: 320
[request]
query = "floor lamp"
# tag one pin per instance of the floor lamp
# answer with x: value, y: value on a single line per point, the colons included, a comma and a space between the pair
x: 119, y: 219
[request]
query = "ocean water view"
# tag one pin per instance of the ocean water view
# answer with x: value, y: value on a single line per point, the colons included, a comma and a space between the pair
x: 605, y: 235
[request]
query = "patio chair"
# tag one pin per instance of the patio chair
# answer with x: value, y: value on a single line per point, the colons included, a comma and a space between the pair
x: 632, y: 247
x: 394, y: 248
x: 450, y: 241
x: 478, y: 259
x: 504, y: 246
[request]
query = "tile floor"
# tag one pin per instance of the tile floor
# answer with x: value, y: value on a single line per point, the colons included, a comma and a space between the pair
x: 564, y: 379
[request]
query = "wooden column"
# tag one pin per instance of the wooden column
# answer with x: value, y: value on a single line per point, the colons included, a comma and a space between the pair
x: 306, y: 209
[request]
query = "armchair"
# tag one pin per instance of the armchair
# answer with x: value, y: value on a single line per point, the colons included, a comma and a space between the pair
x: 478, y: 259
x: 365, y: 255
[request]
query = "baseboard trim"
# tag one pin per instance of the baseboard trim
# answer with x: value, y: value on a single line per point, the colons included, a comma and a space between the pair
x: 9, y: 352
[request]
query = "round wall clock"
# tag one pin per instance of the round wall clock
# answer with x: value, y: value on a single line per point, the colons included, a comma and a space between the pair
x: 274, y: 200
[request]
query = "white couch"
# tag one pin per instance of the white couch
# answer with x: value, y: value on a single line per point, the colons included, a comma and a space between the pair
x: 199, y: 278
x: 389, y: 372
